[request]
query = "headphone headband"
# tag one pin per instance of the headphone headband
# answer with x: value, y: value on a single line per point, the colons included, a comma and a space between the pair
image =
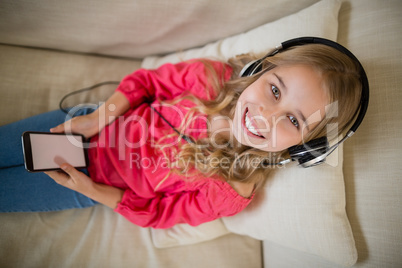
x: 256, y: 66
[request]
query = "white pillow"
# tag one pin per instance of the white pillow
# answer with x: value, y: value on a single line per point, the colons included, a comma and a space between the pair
x: 303, y: 209
x: 319, y: 20
x: 299, y: 208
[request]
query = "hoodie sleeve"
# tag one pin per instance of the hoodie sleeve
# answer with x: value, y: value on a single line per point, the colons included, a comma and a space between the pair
x: 213, y: 199
x: 172, y: 80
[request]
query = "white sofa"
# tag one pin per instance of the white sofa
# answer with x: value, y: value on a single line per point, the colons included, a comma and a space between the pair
x: 348, y: 213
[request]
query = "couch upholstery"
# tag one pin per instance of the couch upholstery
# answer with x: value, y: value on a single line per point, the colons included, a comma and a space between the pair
x: 49, y: 49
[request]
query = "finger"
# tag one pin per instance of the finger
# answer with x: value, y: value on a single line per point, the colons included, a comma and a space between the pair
x: 70, y: 170
x: 59, y: 177
x: 58, y: 129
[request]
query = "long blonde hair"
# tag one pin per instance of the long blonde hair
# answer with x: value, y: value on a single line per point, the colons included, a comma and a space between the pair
x: 242, y: 163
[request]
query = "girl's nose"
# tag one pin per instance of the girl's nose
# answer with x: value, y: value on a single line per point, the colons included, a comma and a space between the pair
x: 269, y: 111
x: 264, y: 110
x: 266, y: 116
x: 271, y: 114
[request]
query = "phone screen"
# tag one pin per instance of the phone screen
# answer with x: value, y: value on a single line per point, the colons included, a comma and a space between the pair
x: 47, y: 151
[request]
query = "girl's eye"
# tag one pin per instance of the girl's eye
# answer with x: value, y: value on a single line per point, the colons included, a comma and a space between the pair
x: 275, y: 91
x: 294, y: 121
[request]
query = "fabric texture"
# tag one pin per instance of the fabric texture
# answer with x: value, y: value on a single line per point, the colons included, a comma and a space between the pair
x: 45, y: 76
x: 140, y: 28
x: 372, y: 163
x: 126, y: 154
x: 284, y: 211
x: 184, y: 234
x: 98, y: 237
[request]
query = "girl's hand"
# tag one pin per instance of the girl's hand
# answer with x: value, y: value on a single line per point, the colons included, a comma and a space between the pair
x: 87, y: 125
x: 90, y: 125
x: 78, y: 181
x: 72, y: 179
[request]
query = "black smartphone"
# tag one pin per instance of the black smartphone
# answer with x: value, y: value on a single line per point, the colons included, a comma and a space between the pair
x: 47, y: 151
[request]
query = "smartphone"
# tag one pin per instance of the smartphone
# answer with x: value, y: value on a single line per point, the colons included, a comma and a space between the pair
x: 47, y: 151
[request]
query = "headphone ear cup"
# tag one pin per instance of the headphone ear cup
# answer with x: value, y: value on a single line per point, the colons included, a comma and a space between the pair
x: 309, y: 151
x: 251, y: 68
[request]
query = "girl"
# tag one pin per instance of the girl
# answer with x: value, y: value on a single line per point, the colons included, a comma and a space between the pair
x: 227, y: 132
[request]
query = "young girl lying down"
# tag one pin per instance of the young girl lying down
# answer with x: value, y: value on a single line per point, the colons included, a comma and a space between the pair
x: 229, y: 133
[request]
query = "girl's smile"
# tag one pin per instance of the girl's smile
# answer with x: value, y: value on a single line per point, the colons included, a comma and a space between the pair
x: 250, y: 125
x: 280, y: 107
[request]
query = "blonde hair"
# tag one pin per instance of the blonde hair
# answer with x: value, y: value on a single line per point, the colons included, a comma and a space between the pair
x: 341, y: 82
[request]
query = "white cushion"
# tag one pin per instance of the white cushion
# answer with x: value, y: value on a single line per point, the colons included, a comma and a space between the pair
x: 184, y: 234
x: 321, y: 20
x: 303, y: 209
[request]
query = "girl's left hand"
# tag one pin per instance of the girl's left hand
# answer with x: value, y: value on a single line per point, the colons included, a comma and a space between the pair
x: 72, y: 179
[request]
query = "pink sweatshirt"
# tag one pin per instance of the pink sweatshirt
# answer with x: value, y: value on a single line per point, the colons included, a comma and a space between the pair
x: 125, y: 156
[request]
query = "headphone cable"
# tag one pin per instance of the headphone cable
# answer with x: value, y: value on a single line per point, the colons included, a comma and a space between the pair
x: 83, y: 90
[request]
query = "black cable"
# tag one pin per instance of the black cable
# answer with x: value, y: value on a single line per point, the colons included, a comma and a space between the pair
x: 83, y: 90
x: 184, y: 137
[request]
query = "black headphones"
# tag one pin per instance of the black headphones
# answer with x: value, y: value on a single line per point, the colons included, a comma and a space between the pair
x: 315, y: 151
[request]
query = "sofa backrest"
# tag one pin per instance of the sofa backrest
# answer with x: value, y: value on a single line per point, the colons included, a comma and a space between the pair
x: 122, y: 27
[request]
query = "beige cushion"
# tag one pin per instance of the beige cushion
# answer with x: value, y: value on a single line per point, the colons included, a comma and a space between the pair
x: 372, y: 158
x: 33, y: 81
x: 98, y: 237
x: 299, y: 208
x: 133, y: 28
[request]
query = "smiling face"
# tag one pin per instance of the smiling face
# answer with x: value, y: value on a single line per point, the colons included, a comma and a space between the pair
x: 278, y: 109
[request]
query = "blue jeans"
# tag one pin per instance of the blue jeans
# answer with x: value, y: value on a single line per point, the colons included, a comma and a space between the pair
x: 22, y: 191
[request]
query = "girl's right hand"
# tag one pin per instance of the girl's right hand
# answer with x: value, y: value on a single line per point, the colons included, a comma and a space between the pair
x: 87, y: 125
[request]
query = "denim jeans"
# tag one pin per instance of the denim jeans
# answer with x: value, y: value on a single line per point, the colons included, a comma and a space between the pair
x: 22, y: 191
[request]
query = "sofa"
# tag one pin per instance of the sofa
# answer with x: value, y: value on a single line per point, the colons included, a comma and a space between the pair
x: 345, y: 213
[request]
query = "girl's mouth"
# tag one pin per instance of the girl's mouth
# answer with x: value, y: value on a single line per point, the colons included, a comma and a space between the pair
x: 250, y: 126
